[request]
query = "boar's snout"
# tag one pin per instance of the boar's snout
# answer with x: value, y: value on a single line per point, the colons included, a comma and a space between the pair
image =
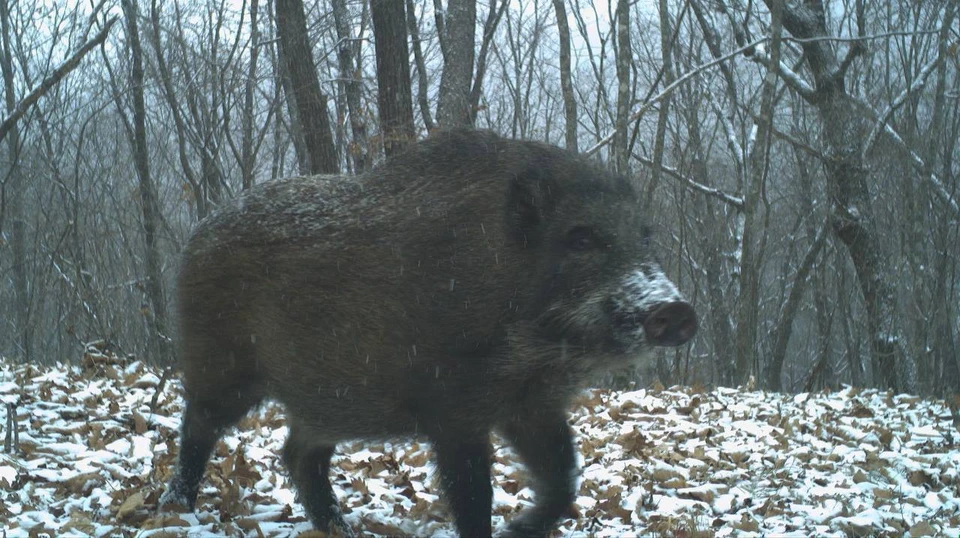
x: 670, y: 324
x: 648, y: 309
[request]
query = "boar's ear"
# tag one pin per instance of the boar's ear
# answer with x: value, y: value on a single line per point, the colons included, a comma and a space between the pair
x: 526, y: 205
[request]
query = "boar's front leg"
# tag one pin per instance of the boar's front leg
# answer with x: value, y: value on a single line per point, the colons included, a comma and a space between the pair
x: 309, y: 466
x: 204, y: 420
x: 544, y: 443
x: 464, y: 465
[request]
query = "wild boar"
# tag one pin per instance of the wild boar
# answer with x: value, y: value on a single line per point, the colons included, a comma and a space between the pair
x: 473, y: 284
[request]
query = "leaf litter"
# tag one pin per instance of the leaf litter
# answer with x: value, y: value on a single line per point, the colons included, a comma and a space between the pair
x: 93, y: 458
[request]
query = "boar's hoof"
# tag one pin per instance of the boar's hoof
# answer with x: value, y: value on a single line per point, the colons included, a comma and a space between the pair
x: 175, y: 497
x: 532, y: 523
x: 670, y: 324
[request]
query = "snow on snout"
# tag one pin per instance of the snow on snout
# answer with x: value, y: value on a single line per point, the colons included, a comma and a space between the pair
x: 645, y: 288
x: 641, y: 292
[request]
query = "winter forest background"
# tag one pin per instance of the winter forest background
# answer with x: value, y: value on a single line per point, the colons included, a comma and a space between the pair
x: 797, y: 157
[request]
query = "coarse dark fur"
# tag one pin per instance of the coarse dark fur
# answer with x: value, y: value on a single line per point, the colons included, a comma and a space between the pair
x: 469, y: 285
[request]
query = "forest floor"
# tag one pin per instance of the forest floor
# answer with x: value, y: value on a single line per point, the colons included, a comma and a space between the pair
x: 93, y: 459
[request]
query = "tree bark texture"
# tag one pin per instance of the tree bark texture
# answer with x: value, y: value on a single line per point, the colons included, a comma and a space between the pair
x: 309, y: 99
x: 458, y: 37
x: 394, y: 98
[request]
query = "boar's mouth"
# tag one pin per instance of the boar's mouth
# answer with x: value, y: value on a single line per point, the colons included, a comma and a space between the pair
x: 641, y: 311
x: 608, y: 326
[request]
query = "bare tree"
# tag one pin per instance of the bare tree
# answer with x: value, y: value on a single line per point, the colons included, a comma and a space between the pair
x: 494, y: 14
x: 17, y: 111
x: 248, y: 151
x: 11, y: 186
x: 624, y: 93
x: 663, y: 115
x: 848, y: 180
x: 136, y: 128
x: 753, y: 227
x: 566, y: 79
x: 422, y: 101
x: 528, y: 104
x: 457, y: 38
x: 304, y: 88
x: 394, y: 98
x: 350, y: 79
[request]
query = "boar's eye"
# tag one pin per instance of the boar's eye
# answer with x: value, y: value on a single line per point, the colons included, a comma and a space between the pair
x: 582, y: 238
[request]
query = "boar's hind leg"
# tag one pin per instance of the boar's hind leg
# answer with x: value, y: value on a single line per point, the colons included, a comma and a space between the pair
x: 309, y: 466
x: 204, y: 420
x: 464, y: 465
x: 545, y: 445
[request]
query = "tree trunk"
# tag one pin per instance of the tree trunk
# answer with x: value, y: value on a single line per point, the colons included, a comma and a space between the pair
x: 783, y: 330
x: 819, y: 375
x: 459, y: 34
x: 664, y: 114
x: 247, y: 151
x: 304, y: 88
x: 422, y: 100
x: 784, y: 327
x: 11, y: 190
x: 157, y: 317
x: 848, y: 178
x: 751, y: 255
x: 624, y: 61
x: 350, y: 83
x: 170, y: 94
x: 566, y: 80
x: 295, y: 127
x: 944, y: 354
x: 394, y: 98
x: 489, y: 30
x: 21, y: 288
x: 718, y: 314
x: 10, y: 101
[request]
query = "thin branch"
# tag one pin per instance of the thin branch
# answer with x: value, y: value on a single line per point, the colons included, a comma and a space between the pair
x: 790, y: 139
x: 729, y: 199
x: 857, y: 49
x: 918, y: 83
x: 673, y: 86
x: 53, y: 79
x: 858, y: 39
x: 790, y: 77
x: 939, y: 189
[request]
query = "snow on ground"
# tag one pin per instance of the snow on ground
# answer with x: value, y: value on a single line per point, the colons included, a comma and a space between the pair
x: 93, y: 459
